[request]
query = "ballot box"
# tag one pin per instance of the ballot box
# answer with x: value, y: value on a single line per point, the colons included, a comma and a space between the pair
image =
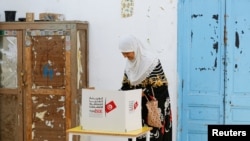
x: 111, y: 110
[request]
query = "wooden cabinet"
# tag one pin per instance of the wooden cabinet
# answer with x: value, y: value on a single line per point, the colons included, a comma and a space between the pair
x: 43, y: 67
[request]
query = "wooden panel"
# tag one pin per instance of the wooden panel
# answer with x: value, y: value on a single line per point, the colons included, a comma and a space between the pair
x: 48, y: 61
x: 83, y: 38
x: 8, y: 117
x: 48, y: 118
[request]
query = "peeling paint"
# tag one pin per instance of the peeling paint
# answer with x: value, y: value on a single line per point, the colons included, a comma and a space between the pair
x: 33, y: 134
x: 49, y: 123
x: 236, y: 66
x: 41, y: 105
x: 216, y: 17
x: 216, y: 46
x: 196, y: 15
x: 34, y: 99
x: 51, y: 96
x: 61, y: 109
x: 61, y: 99
x: 205, y: 69
x: 40, y: 115
x: 237, y: 40
x: 215, y: 63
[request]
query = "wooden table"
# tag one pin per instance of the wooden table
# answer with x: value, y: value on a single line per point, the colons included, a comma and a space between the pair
x: 131, y: 134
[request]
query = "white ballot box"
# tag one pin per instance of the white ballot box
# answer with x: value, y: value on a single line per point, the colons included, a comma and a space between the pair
x: 108, y: 110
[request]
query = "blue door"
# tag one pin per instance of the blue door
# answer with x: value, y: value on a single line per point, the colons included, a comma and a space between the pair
x: 237, y: 92
x: 213, y: 65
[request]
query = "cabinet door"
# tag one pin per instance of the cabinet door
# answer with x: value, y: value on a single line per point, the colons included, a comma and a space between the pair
x: 47, y: 85
x: 10, y: 86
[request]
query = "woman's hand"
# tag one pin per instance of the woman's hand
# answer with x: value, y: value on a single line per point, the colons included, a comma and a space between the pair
x: 142, y: 94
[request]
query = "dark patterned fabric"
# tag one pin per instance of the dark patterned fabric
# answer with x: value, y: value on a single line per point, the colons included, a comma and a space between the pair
x: 157, y: 82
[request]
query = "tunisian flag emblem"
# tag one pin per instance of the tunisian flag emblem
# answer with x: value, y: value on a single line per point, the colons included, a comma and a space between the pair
x: 110, y: 106
x: 135, y: 105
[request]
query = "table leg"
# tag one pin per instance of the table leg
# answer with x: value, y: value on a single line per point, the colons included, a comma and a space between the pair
x: 70, y: 137
x: 148, y: 136
x: 134, y: 139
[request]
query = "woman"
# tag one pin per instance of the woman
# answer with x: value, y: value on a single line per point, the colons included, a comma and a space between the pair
x: 144, y: 71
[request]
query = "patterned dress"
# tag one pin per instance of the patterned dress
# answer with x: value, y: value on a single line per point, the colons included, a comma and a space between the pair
x: 157, y: 82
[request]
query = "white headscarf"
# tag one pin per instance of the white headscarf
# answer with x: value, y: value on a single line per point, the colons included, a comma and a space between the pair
x: 143, y: 64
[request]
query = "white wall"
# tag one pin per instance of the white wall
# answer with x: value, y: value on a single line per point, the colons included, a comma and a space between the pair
x: 153, y: 21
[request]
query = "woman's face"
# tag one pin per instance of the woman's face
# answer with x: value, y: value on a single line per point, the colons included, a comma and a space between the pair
x: 129, y: 55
